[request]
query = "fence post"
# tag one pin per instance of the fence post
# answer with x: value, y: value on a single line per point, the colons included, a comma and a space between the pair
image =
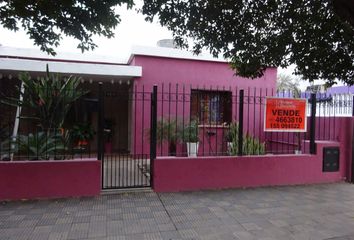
x: 313, y: 124
x: 352, y: 167
x: 153, y: 124
x: 100, y: 122
x: 240, y: 124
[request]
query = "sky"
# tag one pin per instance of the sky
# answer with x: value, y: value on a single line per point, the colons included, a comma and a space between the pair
x: 133, y: 30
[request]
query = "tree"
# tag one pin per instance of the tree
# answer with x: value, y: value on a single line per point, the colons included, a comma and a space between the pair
x: 46, y: 21
x: 256, y: 34
x: 345, y: 10
x: 287, y: 82
x: 315, y: 35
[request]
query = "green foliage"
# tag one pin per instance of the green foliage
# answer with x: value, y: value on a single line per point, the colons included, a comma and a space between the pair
x: 251, y: 145
x: 40, y: 146
x: 232, y: 134
x: 190, y: 132
x: 167, y: 130
x: 46, y: 21
x: 82, y: 132
x: 172, y: 130
x: 315, y: 35
x: 47, y: 99
x: 255, y: 34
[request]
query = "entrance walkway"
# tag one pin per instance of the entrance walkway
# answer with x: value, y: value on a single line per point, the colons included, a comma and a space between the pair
x: 299, y: 212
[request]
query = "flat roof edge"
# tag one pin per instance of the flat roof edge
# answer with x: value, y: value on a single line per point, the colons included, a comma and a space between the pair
x: 12, y: 64
x: 171, y: 53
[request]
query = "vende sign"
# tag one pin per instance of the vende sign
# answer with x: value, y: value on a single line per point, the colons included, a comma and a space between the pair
x: 285, y: 115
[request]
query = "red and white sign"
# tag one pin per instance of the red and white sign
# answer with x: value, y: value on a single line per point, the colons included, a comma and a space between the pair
x: 285, y: 115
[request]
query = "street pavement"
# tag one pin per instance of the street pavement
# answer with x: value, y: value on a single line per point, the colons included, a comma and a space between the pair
x: 324, y: 211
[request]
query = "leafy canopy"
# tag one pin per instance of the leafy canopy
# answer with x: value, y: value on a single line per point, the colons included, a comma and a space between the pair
x: 45, y: 21
x: 314, y: 35
x: 254, y: 34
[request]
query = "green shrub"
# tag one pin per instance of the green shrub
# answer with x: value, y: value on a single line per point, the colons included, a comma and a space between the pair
x: 251, y: 145
x: 167, y: 130
x: 40, y: 146
x: 190, y: 132
x: 48, y: 98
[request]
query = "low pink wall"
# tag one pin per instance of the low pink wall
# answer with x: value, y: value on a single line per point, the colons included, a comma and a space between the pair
x: 49, y: 179
x: 184, y: 174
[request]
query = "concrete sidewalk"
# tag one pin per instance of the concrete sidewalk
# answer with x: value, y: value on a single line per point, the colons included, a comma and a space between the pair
x: 296, y: 212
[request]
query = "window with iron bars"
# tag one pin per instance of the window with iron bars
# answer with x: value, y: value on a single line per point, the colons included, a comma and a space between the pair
x: 211, y: 107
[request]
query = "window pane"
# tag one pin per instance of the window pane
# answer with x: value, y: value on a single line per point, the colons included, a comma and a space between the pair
x: 211, y: 107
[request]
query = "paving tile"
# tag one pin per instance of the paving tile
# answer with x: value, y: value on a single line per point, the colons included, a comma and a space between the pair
x: 323, y: 211
x: 251, y: 226
x: 58, y: 236
x: 244, y: 235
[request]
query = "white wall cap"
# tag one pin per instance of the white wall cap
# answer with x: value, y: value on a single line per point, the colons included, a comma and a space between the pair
x: 171, y: 53
x: 36, y: 53
x: 11, y: 64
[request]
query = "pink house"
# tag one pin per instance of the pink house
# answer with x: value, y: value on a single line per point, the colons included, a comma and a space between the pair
x: 179, y: 74
x: 172, y: 70
x: 189, y: 88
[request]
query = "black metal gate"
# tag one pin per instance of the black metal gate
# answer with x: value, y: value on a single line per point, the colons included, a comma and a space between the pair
x: 124, y: 136
x: 121, y: 170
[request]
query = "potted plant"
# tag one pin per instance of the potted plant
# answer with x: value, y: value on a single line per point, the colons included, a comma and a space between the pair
x: 298, y: 139
x: 82, y: 134
x: 251, y: 145
x: 167, y: 131
x: 191, y: 138
x: 231, y: 136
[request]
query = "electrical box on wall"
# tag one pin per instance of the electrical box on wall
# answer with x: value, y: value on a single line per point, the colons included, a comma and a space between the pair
x: 330, y: 159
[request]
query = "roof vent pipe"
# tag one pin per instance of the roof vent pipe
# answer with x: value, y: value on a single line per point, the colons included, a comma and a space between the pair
x: 167, y: 43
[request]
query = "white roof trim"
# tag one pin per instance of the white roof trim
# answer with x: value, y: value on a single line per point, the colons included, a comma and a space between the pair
x: 171, y: 53
x: 70, y: 67
x: 35, y: 53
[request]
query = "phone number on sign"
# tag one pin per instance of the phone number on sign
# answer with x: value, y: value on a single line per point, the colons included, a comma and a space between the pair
x: 288, y: 119
x: 285, y: 125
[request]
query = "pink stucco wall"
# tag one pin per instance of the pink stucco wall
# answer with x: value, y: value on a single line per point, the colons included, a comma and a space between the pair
x: 179, y: 76
x: 185, y: 174
x: 49, y: 179
x: 158, y: 70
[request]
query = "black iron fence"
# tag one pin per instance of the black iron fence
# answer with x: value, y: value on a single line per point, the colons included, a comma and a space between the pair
x: 221, y: 121
x: 43, y: 124
x: 124, y: 118
x: 194, y: 121
x: 185, y: 121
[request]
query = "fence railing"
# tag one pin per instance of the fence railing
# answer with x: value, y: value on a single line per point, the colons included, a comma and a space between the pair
x: 211, y: 121
x: 328, y: 104
x: 215, y: 121
x: 190, y: 121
